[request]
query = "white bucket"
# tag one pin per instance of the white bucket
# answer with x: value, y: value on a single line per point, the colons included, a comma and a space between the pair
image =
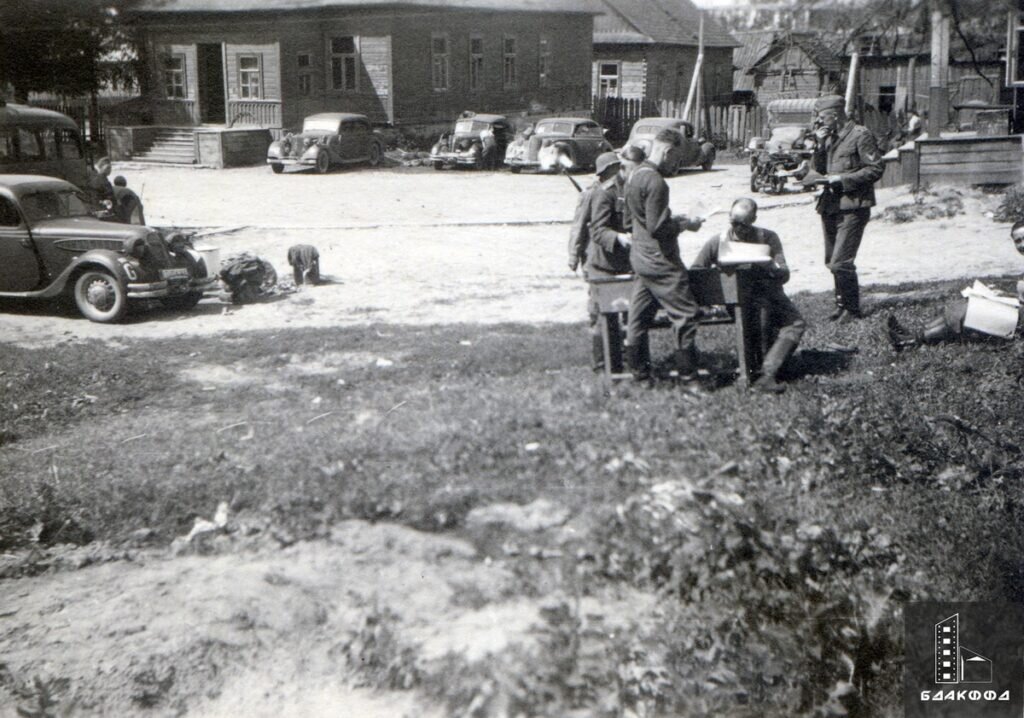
x: 211, y: 258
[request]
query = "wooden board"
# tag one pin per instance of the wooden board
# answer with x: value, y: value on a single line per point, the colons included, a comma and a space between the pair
x: 971, y: 160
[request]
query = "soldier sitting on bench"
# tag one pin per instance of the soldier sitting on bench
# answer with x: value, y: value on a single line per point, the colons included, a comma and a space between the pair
x: 766, y: 288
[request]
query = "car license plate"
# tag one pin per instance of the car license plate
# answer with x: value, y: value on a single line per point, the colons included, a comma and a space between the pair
x: 174, y: 273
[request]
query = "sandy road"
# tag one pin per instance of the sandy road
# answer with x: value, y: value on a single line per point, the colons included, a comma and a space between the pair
x: 410, y: 245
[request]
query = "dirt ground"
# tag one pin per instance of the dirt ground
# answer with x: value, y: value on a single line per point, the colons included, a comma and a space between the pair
x: 415, y: 246
x: 259, y: 630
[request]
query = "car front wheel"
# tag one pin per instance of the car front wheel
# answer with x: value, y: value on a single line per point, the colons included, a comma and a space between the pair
x: 100, y: 297
x: 323, y: 163
x: 182, y: 302
x: 374, y: 154
x: 277, y: 167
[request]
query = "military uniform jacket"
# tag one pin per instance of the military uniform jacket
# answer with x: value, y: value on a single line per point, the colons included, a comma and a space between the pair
x: 853, y: 154
x: 655, y: 248
x: 768, y: 277
x: 604, y: 253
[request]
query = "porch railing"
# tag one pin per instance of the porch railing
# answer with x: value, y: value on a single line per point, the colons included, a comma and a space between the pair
x: 254, y: 113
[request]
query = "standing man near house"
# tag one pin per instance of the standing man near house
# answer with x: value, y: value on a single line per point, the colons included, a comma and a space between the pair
x: 848, y: 156
x: 661, y: 278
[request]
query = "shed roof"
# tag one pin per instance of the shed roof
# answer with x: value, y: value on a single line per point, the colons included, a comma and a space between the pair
x: 183, y: 6
x: 646, y: 22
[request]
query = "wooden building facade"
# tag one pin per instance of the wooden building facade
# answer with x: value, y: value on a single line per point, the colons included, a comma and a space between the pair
x: 231, y: 63
x: 647, y: 50
x: 786, y: 65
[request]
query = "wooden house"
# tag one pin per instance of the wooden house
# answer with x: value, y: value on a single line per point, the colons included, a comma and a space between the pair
x: 781, y: 64
x: 647, y: 49
x: 410, y: 63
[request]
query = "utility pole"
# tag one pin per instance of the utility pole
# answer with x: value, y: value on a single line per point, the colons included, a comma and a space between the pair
x: 938, y: 90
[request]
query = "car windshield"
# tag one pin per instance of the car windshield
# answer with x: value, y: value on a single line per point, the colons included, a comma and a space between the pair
x: 554, y: 128
x: 470, y: 126
x: 312, y: 124
x: 49, y: 204
x: 589, y: 131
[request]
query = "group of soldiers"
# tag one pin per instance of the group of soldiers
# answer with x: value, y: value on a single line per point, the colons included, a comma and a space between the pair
x: 633, y: 230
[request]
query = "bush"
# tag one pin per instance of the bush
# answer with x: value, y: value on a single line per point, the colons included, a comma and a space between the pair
x: 1011, y: 208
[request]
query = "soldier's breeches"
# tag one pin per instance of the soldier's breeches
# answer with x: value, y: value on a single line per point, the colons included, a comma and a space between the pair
x: 843, y: 234
x: 791, y: 326
x: 670, y: 292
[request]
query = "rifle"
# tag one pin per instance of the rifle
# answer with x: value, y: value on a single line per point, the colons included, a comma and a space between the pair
x: 563, y: 170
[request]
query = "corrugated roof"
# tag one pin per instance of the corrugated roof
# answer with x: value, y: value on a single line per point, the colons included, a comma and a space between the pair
x: 670, y: 22
x: 178, y: 6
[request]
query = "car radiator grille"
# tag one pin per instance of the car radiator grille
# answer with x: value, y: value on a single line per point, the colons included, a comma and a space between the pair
x: 158, y: 248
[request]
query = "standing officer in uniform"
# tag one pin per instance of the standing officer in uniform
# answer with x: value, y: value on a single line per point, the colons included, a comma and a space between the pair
x: 849, y: 158
x: 661, y: 278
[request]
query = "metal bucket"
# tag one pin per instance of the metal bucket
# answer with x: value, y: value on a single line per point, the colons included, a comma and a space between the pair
x: 211, y: 258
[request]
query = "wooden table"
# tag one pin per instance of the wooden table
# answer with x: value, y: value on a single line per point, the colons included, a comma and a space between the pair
x: 711, y: 288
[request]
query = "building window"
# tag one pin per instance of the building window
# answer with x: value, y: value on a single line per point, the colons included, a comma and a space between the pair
x: 886, y: 98
x: 544, y: 63
x: 250, y: 82
x: 343, y: 63
x: 608, y: 79
x: 174, y: 76
x: 476, y: 63
x: 509, y: 73
x: 305, y: 63
x: 439, y: 61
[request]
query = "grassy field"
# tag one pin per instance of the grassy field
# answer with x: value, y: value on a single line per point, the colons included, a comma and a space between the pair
x: 876, y: 474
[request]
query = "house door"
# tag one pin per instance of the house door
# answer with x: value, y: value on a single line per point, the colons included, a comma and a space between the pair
x: 211, y: 84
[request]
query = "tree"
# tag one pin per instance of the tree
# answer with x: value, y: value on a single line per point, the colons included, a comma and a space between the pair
x: 68, y: 47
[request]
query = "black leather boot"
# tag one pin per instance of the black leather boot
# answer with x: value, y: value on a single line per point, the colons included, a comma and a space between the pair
x: 899, y: 336
x: 596, y: 353
x: 849, y: 293
x: 838, y: 311
x: 639, y: 361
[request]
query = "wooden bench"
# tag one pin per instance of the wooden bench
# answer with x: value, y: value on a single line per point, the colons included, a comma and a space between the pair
x: 711, y: 288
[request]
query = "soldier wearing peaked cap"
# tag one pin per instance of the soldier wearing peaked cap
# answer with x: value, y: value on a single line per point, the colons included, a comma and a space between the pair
x: 848, y: 156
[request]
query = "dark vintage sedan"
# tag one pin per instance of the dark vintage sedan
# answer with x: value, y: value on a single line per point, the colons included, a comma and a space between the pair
x: 691, y: 152
x: 464, y: 146
x: 327, y: 139
x: 570, y: 142
x: 51, y: 246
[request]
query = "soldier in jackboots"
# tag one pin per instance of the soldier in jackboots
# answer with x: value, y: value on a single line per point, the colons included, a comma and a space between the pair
x: 848, y: 156
x: 661, y: 277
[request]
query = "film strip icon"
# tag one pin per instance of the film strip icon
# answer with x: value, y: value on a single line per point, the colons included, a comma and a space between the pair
x: 947, y: 650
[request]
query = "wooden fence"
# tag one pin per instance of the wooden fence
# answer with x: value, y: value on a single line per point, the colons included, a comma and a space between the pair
x: 730, y: 126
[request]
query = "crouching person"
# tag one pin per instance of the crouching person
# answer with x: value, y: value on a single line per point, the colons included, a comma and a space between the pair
x: 305, y: 262
x: 948, y: 326
x: 766, y: 288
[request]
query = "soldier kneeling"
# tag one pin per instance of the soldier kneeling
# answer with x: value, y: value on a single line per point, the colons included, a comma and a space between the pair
x: 305, y: 262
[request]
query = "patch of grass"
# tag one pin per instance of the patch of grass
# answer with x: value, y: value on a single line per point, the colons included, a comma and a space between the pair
x: 873, y: 472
